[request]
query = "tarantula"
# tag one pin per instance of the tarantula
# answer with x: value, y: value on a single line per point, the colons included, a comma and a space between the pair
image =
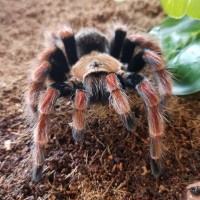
x: 92, y: 69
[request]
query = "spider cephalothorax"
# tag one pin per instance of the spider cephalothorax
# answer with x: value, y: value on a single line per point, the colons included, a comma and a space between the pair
x: 93, y: 69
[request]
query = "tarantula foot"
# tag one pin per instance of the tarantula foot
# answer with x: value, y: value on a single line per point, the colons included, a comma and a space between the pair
x: 156, y: 167
x: 129, y: 121
x: 78, y: 135
x: 37, y: 173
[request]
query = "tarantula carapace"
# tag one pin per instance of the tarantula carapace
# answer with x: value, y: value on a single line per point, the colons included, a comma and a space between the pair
x: 92, y: 69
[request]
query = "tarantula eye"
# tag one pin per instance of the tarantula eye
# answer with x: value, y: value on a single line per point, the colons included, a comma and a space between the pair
x: 95, y: 64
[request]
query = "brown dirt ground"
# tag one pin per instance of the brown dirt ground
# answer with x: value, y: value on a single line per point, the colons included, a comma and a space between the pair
x: 112, y: 163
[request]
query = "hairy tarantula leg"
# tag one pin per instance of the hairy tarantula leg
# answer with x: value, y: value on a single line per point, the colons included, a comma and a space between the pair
x: 137, y: 62
x: 156, y: 64
x: 53, y: 64
x: 163, y: 77
x: 151, y: 56
x: 70, y: 45
x: 117, y: 42
x: 41, y: 130
x: 119, y: 101
x: 59, y: 65
x: 37, y: 85
x: 155, y: 119
x: 146, y: 42
x: 156, y: 124
x: 38, y: 79
x: 78, y: 120
x: 127, y: 51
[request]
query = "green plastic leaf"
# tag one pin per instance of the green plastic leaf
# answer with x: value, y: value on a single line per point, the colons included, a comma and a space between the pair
x: 175, y: 8
x: 180, y: 41
x: 193, y: 9
x: 179, y: 8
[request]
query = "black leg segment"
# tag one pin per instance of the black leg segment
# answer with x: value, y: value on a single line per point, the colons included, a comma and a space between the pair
x: 66, y: 89
x: 137, y: 63
x: 127, y: 51
x: 37, y: 173
x: 117, y: 43
x: 133, y: 80
x: 156, y: 167
x: 59, y: 66
x: 70, y: 48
